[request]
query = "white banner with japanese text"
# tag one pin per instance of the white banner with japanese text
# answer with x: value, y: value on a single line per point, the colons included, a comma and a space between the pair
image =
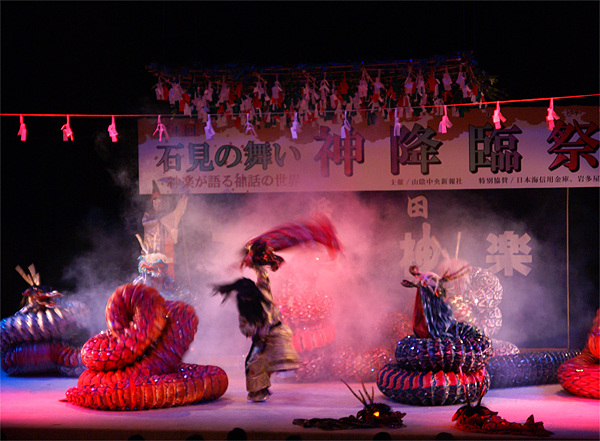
x: 371, y: 153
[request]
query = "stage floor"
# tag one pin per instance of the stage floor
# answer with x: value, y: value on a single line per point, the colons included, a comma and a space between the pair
x: 31, y: 408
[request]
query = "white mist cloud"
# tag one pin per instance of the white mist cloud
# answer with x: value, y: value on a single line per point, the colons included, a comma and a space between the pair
x: 364, y: 281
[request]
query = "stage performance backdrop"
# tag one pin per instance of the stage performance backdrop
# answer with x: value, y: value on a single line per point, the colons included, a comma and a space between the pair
x: 386, y: 151
x: 503, y: 207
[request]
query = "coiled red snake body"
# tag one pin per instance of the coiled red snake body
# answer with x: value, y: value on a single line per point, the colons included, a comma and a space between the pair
x: 136, y: 364
x: 581, y: 375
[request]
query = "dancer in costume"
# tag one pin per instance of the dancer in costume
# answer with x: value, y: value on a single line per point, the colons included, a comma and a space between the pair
x: 160, y: 227
x: 259, y: 318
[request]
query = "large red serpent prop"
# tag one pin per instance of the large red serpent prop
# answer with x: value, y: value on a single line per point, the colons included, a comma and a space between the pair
x: 581, y: 375
x: 136, y: 364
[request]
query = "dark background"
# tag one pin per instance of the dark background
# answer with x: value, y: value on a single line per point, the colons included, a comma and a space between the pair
x: 60, y: 198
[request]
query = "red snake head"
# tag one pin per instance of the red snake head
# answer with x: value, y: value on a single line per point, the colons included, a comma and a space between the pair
x: 40, y: 297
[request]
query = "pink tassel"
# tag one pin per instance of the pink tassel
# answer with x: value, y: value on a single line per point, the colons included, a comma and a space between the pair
x: 208, y: 129
x: 160, y: 128
x: 67, y: 132
x: 22, y: 129
x: 498, y: 118
x: 445, y: 123
x: 551, y: 115
x: 112, y: 130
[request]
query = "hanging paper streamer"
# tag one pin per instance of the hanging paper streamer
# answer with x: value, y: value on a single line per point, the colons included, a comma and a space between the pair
x: 276, y: 89
x: 408, y: 85
x: 295, y: 126
x: 208, y: 129
x: 433, y: 83
x: 324, y: 87
x: 67, y: 132
x: 249, y: 127
x: 346, y: 127
x: 445, y: 123
x: 447, y: 81
x: 424, y: 104
x: 224, y: 93
x: 160, y: 128
x: 259, y: 89
x: 208, y: 92
x: 159, y: 90
x: 460, y: 80
x: 498, y: 118
x: 378, y: 85
x: 112, y: 130
x: 397, y: 125
x: 421, y: 84
x: 363, y: 84
x: 439, y: 110
x: 22, y: 129
x: 551, y: 115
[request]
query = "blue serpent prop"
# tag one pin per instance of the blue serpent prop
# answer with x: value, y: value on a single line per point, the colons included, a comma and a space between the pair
x: 444, y: 361
x: 45, y: 335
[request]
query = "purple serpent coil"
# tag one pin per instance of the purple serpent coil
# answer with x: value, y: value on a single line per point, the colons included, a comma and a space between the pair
x: 45, y: 335
x: 527, y: 369
x: 428, y: 371
x: 468, y: 350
